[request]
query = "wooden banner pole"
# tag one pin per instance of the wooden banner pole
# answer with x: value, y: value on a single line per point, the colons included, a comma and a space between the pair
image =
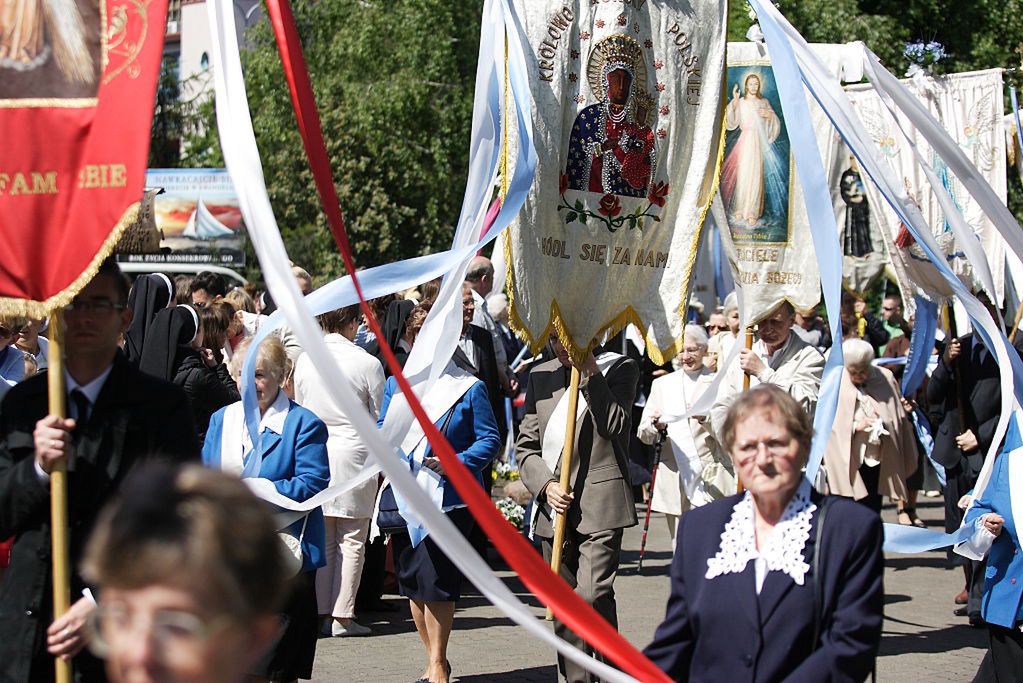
x: 745, y: 387
x: 1015, y: 324
x: 58, y: 488
x: 566, y: 475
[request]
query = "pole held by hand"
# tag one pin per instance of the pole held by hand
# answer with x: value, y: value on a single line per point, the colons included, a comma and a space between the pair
x: 58, y: 488
x: 745, y: 387
x: 566, y: 475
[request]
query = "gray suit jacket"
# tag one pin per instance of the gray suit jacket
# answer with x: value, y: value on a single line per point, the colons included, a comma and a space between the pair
x: 600, y: 480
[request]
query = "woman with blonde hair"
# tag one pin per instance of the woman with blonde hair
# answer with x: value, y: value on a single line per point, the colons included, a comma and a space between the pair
x: 292, y: 456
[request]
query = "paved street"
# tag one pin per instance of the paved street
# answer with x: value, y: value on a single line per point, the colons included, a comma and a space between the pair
x: 923, y: 641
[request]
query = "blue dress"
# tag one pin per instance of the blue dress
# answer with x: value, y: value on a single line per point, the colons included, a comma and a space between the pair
x: 424, y: 572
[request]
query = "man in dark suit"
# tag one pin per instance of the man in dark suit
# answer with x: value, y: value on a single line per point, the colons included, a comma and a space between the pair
x: 119, y: 417
x: 967, y: 375
x: 475, y: 354
x: 600, y: 506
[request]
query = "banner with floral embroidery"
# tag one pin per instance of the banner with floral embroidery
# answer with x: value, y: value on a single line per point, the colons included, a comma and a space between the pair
x: 969, y: 106
x: 627, y: 117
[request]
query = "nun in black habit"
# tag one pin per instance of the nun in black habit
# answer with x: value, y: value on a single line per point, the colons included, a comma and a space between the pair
x: 173, y: 351
x: 149, y: 295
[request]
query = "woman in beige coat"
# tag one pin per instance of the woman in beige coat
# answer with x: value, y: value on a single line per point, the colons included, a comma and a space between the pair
x: 872, y: 450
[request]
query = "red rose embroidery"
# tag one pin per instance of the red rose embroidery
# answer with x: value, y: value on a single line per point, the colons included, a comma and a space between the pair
x: 658, y: 64
x: 610, y: 205
x: 564, y: 182
x: 660, y: 87
x: 622, y: 19
x: 649, y: 43
x: 600, y: 23
x: 664, y: 110
x: 661, y: 133
x: 657, y: 194
x: 585, y: 35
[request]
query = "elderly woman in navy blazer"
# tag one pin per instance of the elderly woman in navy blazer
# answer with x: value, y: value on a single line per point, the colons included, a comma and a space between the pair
x: 777, y: 583
x: 997, y: 536
x: 294, y: 460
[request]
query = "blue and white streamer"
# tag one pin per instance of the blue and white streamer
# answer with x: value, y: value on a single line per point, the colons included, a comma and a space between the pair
x: 834, y: 102
x: 242, y: 157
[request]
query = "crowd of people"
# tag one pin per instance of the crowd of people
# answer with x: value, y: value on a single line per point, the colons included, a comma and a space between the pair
x: 166, y: 542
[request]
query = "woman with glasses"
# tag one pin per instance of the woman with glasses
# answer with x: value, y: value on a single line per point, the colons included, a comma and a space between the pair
x: 779, y: 582
x: 693, y: 469
x: 291, y: 461
x: 190, y: 576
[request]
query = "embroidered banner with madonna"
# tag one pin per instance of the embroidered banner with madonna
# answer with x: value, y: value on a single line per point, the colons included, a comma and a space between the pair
x: 627, y: 100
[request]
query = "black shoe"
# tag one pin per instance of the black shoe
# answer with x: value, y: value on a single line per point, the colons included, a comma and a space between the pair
x: 976, y: 621
x: 960, y: 611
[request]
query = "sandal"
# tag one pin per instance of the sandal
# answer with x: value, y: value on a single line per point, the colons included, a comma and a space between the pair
x: 910, y: 514
x: 904, y: 517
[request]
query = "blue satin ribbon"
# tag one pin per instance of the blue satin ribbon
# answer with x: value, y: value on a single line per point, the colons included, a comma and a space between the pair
x: 396, y: 277
x: 921, y: 343
x: 821, y: 215
x: 902, y: 539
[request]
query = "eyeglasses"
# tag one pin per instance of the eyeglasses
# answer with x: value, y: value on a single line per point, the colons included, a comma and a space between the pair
x: 749, y: 450
x: 172, y: 631
x: 93, y: 306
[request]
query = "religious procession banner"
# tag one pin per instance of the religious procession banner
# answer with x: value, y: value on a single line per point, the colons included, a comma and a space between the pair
x: 860, y: 230
x: 969, y: 106
x: 627, y: 118
x: 77, y: 85
x: 770, y: 247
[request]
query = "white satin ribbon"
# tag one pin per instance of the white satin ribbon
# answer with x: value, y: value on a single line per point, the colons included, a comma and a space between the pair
x: 242, y: 157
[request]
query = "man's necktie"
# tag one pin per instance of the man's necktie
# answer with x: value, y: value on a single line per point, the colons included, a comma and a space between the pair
x: 82, y: 406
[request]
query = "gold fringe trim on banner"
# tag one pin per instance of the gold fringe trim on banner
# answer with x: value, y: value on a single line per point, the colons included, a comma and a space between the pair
x: 42, y: 309
x: 660, y: 356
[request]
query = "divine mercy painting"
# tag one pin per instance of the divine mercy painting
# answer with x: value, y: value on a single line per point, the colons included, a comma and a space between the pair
x: 756, y: 172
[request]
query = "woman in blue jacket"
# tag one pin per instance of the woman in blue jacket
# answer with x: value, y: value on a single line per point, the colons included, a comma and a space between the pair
x: 294, y: 460
x: 459, y: 406
x: 997, y: 536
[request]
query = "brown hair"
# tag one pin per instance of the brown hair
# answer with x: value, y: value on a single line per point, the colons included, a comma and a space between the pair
x: 240, y: 299
x: 415, y: 320
x: 430, y: 290
x: 183, y: 290
x: 215, y: 319
x: 768, y: 398
x: 193, y: 528
x: 338, y: 319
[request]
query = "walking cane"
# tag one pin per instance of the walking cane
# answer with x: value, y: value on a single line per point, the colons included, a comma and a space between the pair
x: 661, y: 435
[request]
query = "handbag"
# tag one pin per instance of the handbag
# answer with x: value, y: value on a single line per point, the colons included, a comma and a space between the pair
x: 292, y: 549
x: 389, y: 518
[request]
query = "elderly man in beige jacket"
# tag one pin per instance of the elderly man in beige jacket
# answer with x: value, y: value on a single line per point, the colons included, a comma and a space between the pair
x: 779, y: 357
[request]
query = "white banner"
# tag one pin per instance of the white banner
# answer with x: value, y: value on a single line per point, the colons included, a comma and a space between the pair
x: 627, y: 119
x: 773, y: 258
x: 969, y: 107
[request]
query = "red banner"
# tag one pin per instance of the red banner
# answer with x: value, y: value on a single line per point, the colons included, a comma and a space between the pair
x: 77, y: 85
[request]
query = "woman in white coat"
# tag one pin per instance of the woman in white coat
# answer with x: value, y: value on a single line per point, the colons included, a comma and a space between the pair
x: 348, y: 516
x: 693, y: 469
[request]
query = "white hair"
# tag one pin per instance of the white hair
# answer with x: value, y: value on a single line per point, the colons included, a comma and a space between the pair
x: 858, y: 353
x: 731, y: 303
x: 697, y: 335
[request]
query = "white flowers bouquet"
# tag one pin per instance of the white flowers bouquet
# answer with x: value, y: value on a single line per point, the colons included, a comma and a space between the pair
x: 512, y: 511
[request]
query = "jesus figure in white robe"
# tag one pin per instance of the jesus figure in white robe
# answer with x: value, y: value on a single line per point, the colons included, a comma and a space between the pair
x: 742, y: 174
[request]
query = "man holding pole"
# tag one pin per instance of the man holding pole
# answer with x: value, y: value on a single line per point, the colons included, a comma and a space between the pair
x: 779, y: 357
x: 118, y: 417
x: 597, y: 505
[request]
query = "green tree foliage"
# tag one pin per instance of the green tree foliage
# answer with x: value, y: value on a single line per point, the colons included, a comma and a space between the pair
x: 394, y: 85
x: 394, y: 82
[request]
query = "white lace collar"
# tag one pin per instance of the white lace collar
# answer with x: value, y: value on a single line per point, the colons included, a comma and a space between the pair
x: 783, y: 549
